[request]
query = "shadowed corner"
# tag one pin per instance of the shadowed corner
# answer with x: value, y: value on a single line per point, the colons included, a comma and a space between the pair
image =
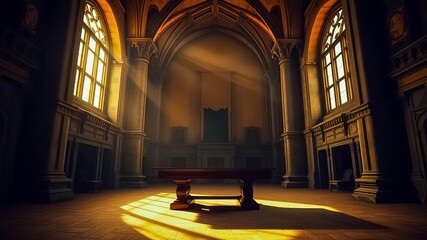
x: 223, y: 219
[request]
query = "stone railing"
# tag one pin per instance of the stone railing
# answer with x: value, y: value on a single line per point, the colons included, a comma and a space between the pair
x: 408, y: 58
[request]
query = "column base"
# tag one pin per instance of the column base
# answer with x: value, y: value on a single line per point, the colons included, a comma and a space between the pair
x: 132, y: 181
x: 375, y: 189
x: 47, y: 189
x: 295, y: 181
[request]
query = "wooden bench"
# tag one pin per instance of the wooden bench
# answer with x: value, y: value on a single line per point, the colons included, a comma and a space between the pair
x: 183, y: 176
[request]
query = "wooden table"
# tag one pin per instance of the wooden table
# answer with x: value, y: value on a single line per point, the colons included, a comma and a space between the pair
x: 183, y: 176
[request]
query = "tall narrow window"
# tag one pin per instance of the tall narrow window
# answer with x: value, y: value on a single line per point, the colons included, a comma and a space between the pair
x: 92, y: 61
x: 335, y: 62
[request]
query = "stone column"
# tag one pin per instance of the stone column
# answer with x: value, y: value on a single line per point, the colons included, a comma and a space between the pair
x: 286, y: 51
x: 140, y: 51
x: 157, y: 78
x: 272, y: 82
x: 312, y: 115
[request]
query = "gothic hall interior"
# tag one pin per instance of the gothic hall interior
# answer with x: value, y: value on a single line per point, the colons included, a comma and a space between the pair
x: 328, y: 94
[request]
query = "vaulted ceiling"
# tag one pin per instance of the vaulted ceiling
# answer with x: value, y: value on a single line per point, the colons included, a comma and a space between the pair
x: 266, y: 13
x: 172, y: 23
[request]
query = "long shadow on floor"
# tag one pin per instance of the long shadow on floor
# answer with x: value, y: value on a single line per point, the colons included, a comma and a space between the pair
x: 268, y: 217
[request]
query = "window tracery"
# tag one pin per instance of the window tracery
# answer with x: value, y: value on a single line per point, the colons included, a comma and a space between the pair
x: 93, y: 58
x: 335, y: 62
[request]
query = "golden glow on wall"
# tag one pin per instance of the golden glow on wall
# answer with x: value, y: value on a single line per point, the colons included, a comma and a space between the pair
x: 215, y: 71
x: 314, y: 32
x: 216, y: 90
x: 152, y: 218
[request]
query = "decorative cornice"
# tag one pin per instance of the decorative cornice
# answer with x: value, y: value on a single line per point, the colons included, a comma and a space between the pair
x: 286, y: 49
x: 343, y: 120
x: 141, y: 49
x: 82, y: 118
x: 406, y: 59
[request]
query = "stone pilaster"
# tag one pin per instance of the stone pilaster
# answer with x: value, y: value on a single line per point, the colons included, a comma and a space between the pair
x: 286, y: 51
x: 157, y: 80
x: 272, y: 84
x: 384, y: 151
x: 40, y: 175
x: 140, y: 52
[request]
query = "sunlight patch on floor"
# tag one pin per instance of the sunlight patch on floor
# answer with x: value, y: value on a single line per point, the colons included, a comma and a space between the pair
x: 152, y: 218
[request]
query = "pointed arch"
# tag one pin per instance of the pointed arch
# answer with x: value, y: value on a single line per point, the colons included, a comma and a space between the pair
x: 315, y: 23
x: 117, y: 47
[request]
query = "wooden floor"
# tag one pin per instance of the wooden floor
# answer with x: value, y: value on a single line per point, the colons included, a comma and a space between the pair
x: 145, y: 214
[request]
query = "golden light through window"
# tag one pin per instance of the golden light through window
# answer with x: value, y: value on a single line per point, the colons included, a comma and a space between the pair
x: 92, y: 60
x: 334, y: 63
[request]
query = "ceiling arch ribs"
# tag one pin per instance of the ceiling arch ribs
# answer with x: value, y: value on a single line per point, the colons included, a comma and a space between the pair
x: 259, y: 44
x: 167, y: 42
x: 165, y: 12
x: 203, y: 18
x: 196, y: 11
x: 275, y: 27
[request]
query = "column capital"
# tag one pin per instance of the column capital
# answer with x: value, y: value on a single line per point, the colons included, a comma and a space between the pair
x: 284, y: 49
x: 141, y: 48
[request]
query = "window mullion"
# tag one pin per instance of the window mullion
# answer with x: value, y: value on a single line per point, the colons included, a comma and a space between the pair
x: 94, y: 73
x: 325, y: 82
x: 336, y: 77
x: 346, y: 68
x: 85, y: 50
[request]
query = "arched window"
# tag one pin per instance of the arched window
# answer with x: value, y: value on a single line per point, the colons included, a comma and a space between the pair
x: 335, y: 62
x: 93, y: 58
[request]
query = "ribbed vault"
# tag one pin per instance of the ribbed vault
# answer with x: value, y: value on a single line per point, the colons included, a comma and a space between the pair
x: 172, y: 24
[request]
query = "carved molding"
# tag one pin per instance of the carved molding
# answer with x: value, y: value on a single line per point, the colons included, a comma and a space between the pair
x: 141, y: 48
x: 345, y: 121
x: 409, y: 57
x: 353, y: 129
x: 81, y: 120
x: 285, y: 49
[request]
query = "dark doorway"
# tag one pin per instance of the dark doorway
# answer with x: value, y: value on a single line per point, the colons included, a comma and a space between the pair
x: 322, y: 178
x: 87, y: 179
x: 341, y: 160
